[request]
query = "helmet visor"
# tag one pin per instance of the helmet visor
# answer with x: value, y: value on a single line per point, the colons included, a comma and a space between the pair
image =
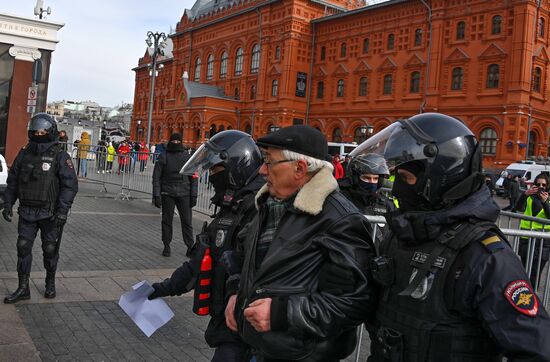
x: 202, y: 160
x: 397, y: 145
x: 39, y: 124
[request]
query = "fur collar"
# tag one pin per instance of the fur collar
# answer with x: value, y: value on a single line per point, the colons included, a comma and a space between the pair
x: 312, y: 195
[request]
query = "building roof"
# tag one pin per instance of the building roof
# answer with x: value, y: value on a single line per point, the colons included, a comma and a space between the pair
x: 195, y: 90
x: 360, y: 10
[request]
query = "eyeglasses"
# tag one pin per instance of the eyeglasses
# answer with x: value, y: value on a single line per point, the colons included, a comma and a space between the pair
x: 540, y: 185
x: 270, y: 164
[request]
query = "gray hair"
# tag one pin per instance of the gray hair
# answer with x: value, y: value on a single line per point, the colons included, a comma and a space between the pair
x: 313, y: 164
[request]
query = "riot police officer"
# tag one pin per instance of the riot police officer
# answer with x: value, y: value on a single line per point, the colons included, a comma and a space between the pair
x: 233, y: 161
x: 365, y: 176
x: 452, y: 288
x: 43, y: 178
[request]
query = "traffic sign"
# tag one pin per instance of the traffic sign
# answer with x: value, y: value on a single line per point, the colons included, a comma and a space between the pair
x: 31, y: 102
x: 33, y: 93
x: 31, y: 109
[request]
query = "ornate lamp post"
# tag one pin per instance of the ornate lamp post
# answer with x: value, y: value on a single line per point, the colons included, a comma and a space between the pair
x: 154, y: 40
x: 274, y: 128
x: 138, y: 129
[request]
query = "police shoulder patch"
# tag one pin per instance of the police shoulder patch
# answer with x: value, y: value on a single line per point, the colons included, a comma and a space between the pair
x: 69, y: 163
x: 493, y: 243
x: 520, y: 295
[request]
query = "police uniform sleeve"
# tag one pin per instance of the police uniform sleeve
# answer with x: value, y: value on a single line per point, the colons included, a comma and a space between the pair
x: 10, y: 194
x: 68, y: 183
x: 495, y: 287
x: 157, y: 174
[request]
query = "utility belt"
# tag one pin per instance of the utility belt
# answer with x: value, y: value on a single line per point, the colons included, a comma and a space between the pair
x: 388, y: 345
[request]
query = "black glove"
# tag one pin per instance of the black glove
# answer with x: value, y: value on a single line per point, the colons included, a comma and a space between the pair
x: 336, y: 279
x: 193, y: 201
x: 158, y: 292
x: 7, y: 213
x: 60, y: 219
x: 157, y: 201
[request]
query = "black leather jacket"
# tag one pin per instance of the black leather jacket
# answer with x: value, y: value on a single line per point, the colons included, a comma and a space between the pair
x: 166, y: 177
x: 321, y: 226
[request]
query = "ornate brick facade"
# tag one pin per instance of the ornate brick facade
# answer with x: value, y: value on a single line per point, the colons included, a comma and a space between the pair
x: 339, y: 67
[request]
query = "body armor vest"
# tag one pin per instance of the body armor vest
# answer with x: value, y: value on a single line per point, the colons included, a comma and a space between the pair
x: 38, y: 183
x: 415, y: 323
x: 171, y: 172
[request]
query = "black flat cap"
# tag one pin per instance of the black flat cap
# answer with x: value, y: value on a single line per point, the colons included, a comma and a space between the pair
x: 301, y: 139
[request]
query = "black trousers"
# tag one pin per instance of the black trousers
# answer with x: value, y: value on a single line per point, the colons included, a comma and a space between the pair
x: 183, y: 204
x: 230, y: 352
x: 27, y: 233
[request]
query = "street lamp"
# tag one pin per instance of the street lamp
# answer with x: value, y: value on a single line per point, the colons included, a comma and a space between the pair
x: 155, y: 40
x: 138, y: 128
x: 274, y: 128
x: 104, y: 131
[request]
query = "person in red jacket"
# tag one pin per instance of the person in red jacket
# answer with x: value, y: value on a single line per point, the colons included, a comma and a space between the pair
x: 123, y: 157
x: 338, y: 169
x: 143, y: 155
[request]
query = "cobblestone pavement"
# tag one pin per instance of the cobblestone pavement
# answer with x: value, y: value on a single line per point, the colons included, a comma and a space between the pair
x: 108, y: 245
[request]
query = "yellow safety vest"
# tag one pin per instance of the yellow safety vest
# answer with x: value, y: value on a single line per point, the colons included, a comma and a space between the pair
x: 531, y: 225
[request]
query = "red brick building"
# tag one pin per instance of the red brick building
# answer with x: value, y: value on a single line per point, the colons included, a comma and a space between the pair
x: 341, y: 67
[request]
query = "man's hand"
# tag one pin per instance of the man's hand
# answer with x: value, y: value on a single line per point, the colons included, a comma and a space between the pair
x: 7, y: 213
x: 543, y: 196
x: 157, y: 201
x: 230, y: 313
x: 157, y: 292
x: 60, y: 219
x: 258, y: 314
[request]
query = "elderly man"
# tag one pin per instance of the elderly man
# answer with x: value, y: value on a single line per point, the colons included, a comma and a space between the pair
x: 305, y: 234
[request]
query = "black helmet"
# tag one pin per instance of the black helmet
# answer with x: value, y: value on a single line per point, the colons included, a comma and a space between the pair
x: 235, y: 150
x: 44, y: 122
x: 446, y: 148
x: 371, y: 163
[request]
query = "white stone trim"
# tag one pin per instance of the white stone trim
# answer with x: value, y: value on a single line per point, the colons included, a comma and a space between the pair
x: 24, y: 53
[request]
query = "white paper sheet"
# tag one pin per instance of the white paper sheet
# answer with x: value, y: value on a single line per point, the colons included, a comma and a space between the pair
x: 148, y: 315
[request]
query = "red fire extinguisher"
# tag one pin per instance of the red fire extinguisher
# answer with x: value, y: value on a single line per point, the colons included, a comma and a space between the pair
x: 201, y: 300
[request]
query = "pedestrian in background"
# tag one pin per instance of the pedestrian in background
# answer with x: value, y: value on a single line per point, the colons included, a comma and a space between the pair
x: 123, y: 157
x: 452, y: 287
x: 63, y: 139
x: 143, y: 156
x: 513, y: 189
x: 233, y: 160
x: 172, y: 189
x: 42, y: 177
x: 284, y: 309
x: 534, y: 202
x: 338, y: 169
x: 506, y: 186
x: 83, y: 149
x: 111, y: 152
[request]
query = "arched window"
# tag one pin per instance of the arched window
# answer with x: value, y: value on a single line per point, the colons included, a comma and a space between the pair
x: 248, y: 128
x: 255, y: 60
x: 337, y: 135
x: 223, y: 65
x: 253, y: 92
x: 415, y: 82
x: 388, y: 84
x: 212, y: 132
x: 363, y: 86
x: 366, y: 45
x: 340, y: 88
x: 391, y: 41
x: 322, y: 53
x: 532, y: 144
x: 541, y: 29
x: 237, y: 93
x: 358, y: 136
x: 417, y: 37
x: 343, y: 50
x: 277, y: 52
x: 320, y: 89
x: 458, y: 74
x: 492, y: 76
x: 239, y: 61
x: 488, y: 141
x: 197, y: 77
x: 210, y: 67
x: 460, y: 30
x: 274, y: 87
x: 537, y: 75
x: 496, y: 26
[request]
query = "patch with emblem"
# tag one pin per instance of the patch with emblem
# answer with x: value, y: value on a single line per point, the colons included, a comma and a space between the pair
x: 220, y: 237
x: 521, y: 297
x: 422, y: 290
x: 420, y: 258
x: 46, y: 166
x: 70, y: 163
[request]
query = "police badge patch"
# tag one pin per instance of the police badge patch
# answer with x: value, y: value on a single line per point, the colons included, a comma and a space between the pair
x: 46, y: 166
x: 521, y: 297
x: 220, y: 237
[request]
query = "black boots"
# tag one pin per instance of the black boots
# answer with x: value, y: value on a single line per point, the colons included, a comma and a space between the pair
x: 22, y: 293
x: 166, y: 251
x: 49, y: 292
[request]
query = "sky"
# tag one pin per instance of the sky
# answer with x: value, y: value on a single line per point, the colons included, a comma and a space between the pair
x: 100, y: 43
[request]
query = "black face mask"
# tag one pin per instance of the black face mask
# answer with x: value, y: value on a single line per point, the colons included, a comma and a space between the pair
x: 174, y: 147
x: 368, y: 188
x: 40, y: 139
x: 408, y: 197
x: 218, y: 182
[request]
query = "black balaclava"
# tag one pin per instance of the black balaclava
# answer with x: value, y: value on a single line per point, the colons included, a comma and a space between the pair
x: 367, y: 188
x: 219, y: 183
x: 409, y: 196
